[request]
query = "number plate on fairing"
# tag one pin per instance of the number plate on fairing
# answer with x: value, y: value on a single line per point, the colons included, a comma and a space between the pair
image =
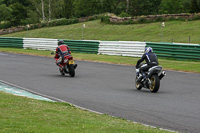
x: 71, y: 62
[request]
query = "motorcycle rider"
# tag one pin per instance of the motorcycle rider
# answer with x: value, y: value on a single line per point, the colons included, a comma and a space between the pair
x: 61, y: 51
x: 151, y: 60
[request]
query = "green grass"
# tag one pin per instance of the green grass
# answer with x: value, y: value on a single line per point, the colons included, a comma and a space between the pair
x: 178, y: 65
x: 24, y: 115
x: 179, y: 31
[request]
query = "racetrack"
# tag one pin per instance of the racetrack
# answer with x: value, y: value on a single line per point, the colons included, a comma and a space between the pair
x: 110, y: 89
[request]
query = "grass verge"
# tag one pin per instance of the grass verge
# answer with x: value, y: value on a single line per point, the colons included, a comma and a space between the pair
x: 24, y: 115
x: 177, y: 65
x: 176, y: 31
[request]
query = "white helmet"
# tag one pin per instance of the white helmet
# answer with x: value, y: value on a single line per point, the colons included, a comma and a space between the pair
x: 148, y: 49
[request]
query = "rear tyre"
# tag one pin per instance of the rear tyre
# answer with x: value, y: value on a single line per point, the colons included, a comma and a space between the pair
x: 137, y: 84
x: 155, y: 83
x: 71, y: 71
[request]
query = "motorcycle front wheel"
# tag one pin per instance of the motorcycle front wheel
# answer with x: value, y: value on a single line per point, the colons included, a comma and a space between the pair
x: 137, y: 85
x: 71, y: 71
x: 155, y: 83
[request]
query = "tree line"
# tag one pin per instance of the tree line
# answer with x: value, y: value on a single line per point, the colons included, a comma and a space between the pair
x: 17, y: 12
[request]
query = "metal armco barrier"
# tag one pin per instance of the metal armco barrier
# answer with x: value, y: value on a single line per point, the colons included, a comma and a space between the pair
x: 40, y: 43
x: 122, y: 48
x: 83, y: 46
x: 51, y: 44
x: 11, y: 42
x: 176, y: 50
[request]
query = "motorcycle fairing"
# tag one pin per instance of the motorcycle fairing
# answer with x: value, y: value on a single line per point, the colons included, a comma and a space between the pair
x: 154, y: 69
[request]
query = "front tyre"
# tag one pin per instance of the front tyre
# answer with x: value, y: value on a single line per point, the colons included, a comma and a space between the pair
x: 155, y: 83
x: 137, y: 84
x: 71, y: 71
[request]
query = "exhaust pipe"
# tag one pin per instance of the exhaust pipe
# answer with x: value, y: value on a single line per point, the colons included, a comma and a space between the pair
x: 162, y: 75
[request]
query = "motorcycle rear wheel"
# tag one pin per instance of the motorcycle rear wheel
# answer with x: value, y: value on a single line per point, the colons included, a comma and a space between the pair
x: 155, y: 83
x: 71, y: 71
x: 137, y: 85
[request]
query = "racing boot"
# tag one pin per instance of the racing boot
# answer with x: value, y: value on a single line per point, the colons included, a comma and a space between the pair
x: 139, y: 77
x: 143, y: 77
x: 60, y: 67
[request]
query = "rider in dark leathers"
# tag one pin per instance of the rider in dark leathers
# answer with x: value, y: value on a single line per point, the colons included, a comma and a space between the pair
x: 151, y: 60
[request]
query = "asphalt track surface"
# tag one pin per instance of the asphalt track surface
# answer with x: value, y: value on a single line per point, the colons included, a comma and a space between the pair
x: 110, y: 89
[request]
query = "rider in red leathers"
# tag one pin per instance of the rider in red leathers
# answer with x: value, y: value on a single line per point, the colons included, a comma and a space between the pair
x: 61, y: 51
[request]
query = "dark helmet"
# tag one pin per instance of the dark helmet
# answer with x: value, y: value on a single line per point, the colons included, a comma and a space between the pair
x: 60, y: 42
x: 148, y: 49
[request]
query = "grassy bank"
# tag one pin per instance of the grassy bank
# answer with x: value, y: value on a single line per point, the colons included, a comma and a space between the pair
x: 24, y: 115
x: 187, y: 66
x: 178, y: 31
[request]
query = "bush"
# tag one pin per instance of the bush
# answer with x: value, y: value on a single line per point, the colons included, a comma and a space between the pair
x: 196, y: 17
x: 159, y: 19
x: 43, y: 24
x: 34, y: 26
x: 124, y: 14
x: 105, y: 19
x: 5, y: 25
x: 131, y: 21
x: 142, y: 20
x: 182, y: 19
x: 171, y: 18
x: 63, y: 22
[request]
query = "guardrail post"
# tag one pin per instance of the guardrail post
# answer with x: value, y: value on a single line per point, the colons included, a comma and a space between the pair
x: 189, y: 39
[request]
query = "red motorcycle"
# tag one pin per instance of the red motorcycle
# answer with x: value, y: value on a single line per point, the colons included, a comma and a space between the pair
x: 68, y: 64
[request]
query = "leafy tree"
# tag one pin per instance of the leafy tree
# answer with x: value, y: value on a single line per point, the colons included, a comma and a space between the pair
x: 10, y: 2
x: 53, y: 8
x: 144, y: 7
x: 32, y: 14
x: 133, y: 7
x: 154, y: 6
x: 39, y: 6
x: 187, y: 5
x: 5, y: 13
x: 58, y: 9
x: 19, y: 13
x: 33, y: 11
x: 171, y: 7
x: 68, y: 8
x: 83, y: 8
x: 120, y: 6
x: 195, y: 6
x: 107, y: 6
x: 114, y: 6
x: 1, y: 2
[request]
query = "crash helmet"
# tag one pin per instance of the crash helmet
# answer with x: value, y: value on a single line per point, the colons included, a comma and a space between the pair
x: 60, y: 42
x: 148, y: 49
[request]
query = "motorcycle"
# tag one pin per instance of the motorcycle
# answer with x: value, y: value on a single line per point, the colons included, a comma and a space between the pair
x: 68, y: 64
x: 152, y: 80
